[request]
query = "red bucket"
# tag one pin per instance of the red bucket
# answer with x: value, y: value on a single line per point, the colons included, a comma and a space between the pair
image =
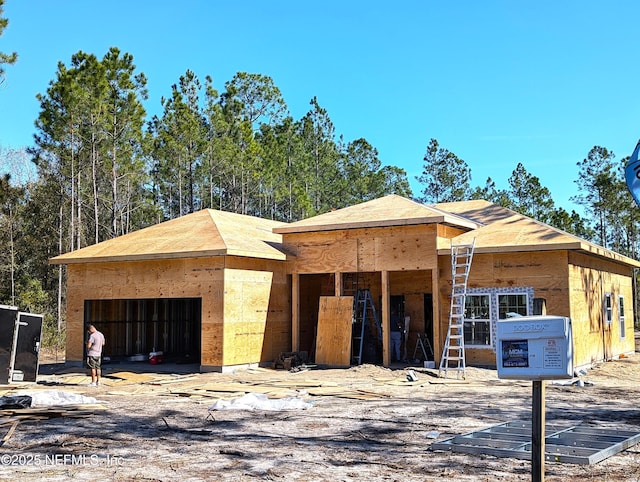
x: 155, y: 357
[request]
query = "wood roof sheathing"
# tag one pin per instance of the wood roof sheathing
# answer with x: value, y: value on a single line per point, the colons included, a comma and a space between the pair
x: 391, y: 210
x: 504, y: 230
x: 202, y: 234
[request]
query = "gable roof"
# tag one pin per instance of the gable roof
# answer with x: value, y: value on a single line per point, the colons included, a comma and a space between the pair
x: 205, y: 233
x: 391, y: 210
x: 504, y: 230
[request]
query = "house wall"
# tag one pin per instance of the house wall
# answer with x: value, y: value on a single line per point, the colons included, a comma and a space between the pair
x: 595, y: 339
x: 176, y: 278
x: 545, y: 271
x: 572, y: 284
x: 244, y: 319
x: 395, y: 248
x: 257, y: 311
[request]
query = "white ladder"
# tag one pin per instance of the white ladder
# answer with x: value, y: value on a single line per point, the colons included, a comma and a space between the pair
x: 453, y: 352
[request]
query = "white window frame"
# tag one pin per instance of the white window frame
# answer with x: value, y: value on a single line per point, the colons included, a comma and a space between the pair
x: 494, y: 294
x: 526, y: 302
x: 608, y: 308
x: 623, y: 328
x: 486, y: 321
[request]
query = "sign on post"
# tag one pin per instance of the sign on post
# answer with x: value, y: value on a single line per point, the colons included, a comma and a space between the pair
x: 536, y: 348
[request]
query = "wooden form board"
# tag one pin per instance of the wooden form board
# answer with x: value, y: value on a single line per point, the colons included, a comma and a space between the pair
x: 333, y: 342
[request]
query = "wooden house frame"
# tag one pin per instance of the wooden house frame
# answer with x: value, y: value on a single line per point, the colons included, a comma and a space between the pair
x: 256, y: 285
x: 208, y: 288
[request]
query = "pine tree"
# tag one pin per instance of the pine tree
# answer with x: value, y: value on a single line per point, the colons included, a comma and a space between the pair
x: 445, y: 176
x: 5, y: 59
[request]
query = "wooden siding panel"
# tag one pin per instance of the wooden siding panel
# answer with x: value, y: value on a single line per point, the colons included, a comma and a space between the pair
x: 257, y: 311
x: 367, y: 253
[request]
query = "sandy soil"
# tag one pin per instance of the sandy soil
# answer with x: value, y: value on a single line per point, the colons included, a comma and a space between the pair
x: 366, y: 423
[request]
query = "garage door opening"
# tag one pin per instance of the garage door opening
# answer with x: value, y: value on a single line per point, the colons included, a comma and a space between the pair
x: 135, y: 328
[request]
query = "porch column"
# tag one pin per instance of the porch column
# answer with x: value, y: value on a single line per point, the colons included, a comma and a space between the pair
x: 386, y: 324
x: 295, y: 312
x: 338, y: 284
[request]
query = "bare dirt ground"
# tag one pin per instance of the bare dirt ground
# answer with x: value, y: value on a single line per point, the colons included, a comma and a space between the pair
x: 366, y: 423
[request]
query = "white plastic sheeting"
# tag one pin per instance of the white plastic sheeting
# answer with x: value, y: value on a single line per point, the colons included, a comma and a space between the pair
x: 51, y: 398
x: 259, y: 401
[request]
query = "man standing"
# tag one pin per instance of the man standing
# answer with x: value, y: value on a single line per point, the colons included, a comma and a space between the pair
x: 94, y: 354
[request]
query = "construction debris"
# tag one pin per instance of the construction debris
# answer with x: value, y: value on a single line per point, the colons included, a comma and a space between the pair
x: 259, y: 401
x: 291, y: 359
x: 15, y: 401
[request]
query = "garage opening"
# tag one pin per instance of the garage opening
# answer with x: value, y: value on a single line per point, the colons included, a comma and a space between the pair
x: 133, y: 328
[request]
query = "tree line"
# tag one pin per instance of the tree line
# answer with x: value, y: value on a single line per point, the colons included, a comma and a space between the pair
x: 104, y: 168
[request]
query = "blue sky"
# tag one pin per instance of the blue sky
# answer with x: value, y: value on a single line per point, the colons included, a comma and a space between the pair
x: 496, y: 82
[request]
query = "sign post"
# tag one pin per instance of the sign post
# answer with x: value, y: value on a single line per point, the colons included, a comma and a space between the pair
x: 538, y: 419
x: 536, y: 348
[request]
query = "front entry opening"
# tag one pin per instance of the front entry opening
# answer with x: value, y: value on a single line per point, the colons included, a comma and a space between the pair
x: 134, y: 328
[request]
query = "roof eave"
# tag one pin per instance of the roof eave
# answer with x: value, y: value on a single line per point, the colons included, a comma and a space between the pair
x: 448, y: 220
x: 573, y: 246
x: 137, y: 257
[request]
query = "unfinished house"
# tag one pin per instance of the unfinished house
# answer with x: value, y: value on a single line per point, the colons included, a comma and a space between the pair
x: 230, y: 290
x: 209, y: 288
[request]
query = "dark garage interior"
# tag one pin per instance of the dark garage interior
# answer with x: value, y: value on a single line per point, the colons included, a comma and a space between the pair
x: 134, y: 328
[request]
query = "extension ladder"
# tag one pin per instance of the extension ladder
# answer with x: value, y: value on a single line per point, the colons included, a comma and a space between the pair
x: 364, y: 313
x: 453, y: 358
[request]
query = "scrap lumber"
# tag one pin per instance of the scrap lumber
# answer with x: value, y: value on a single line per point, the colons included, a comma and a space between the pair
x: 301, y: 383
x: 233, y: 387
x: 205, y: 393
x: 9, y: 433
x: 174, y: 379
x: 130, y: 377
x: 73, y: 379
x: 345, y: 393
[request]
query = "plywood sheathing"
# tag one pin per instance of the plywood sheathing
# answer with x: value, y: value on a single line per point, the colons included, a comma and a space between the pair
x: 257, y: 306
x: 274, y: 384
x: 397, y: 248
x: 545, y: 271
x: 595, y: 339
x: 170, y: 278
x: 392, y: 210
x: 205, y: 233
x: 503, y: 230
x: 333, y: 344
